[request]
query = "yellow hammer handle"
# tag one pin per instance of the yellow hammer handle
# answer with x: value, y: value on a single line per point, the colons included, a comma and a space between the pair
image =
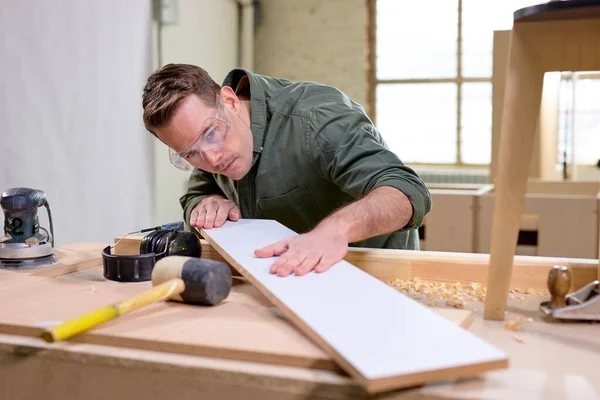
x: 104, y: 314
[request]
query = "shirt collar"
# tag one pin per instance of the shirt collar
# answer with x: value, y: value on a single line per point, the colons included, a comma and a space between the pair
x: 259, y: 115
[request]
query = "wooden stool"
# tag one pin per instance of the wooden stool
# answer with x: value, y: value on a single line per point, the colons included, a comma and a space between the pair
x: 554, y: 36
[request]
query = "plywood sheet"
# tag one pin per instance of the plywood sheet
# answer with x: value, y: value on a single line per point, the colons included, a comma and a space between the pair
x: 382, y: 338
x: 72, y: 258
x: 244, y: 327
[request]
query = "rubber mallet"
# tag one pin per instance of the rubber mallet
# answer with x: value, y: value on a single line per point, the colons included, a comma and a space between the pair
x: 185, y: 279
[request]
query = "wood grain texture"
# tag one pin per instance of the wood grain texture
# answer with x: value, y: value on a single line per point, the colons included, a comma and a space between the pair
x: 131, y: 246
x: 543, y: 159
x: 534, y: 49
x: 549, y: 361
x: 520, y: 114
x: 72, y: 258
x: 338, y: 311
x: 529, y: 272
x: 245, y: 327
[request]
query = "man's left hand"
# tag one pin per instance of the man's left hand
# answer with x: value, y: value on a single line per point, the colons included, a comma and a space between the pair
x: 317, y: 250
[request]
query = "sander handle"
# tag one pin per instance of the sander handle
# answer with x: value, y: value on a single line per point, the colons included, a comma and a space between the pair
x: 87, y: 321
x: 47, y: 205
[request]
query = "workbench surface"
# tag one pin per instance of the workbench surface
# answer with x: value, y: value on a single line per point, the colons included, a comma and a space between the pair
x: 548, y: 360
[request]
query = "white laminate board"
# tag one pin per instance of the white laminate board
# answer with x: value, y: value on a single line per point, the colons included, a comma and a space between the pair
x: 381, y: 337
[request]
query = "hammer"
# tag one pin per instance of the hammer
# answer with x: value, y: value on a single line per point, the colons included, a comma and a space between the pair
x: 185, y: 279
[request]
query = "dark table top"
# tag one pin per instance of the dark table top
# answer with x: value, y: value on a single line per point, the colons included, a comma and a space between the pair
x: 559, y: 10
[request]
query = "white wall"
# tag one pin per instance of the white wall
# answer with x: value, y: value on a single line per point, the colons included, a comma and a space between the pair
x: 205, y: 34
x: 70, y: 112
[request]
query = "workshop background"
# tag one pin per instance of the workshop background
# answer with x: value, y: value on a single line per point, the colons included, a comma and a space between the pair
x: 73, y: 71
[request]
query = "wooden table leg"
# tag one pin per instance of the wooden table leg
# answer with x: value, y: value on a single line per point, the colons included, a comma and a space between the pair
x: 524, y: 83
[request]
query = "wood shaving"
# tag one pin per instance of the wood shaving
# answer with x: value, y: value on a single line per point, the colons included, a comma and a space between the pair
x: 517, y: 324
x: 513, y: 325
x: 529, y: 291
x: 518, y: 339
x: 455, y: 303
x: 455, y: 294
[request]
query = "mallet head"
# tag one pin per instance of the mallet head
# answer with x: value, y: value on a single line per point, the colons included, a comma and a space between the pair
x: 207, y: 282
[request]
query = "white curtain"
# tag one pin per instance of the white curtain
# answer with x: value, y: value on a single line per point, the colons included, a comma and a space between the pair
x: 71, y: 78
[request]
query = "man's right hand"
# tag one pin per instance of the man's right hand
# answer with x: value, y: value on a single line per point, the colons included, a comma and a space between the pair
x: 213, y: 211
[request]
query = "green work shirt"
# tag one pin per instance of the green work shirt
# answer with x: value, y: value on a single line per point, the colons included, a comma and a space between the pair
x: 315, y: 150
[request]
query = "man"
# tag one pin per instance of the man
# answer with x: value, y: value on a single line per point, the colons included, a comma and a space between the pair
x: 301, y: 153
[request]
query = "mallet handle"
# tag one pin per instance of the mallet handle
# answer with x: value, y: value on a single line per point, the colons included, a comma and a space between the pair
x: 104, y: 314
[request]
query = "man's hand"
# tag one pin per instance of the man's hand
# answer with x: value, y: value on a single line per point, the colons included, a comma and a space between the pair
x: 317, y: 250
x: 213, y: 211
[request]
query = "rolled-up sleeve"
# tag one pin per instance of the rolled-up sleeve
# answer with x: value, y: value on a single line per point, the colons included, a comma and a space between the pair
x: 349, y: 150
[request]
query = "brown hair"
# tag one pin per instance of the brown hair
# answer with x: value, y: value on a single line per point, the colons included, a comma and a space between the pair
x: 171, y: 83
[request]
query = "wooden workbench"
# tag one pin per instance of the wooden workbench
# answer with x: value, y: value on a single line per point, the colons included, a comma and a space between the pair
x: 547, y: 360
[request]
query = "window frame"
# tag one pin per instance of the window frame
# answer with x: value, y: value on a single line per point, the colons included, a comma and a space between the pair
x: 569, y: 76
x: 372, y: 82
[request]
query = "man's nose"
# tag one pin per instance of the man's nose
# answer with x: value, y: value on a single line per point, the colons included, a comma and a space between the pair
x: 213, y: 157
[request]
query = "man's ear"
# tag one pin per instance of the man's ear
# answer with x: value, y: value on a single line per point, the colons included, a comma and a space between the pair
x: 230, y: 99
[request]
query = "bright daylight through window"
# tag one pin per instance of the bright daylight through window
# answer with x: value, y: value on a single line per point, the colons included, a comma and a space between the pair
x: 433, y: 74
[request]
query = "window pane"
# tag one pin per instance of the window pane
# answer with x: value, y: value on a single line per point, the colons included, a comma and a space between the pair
x: 479, y: 21
x: 413, y: 42
x: 587, y: 121
x: 476, y: 123
x: 565, y: 120
x: 418, y: 121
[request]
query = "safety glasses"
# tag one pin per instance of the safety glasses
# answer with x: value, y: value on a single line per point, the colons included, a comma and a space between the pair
x: 210, y: 138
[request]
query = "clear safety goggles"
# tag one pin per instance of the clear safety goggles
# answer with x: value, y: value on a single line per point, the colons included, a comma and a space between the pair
x: 210, y: 138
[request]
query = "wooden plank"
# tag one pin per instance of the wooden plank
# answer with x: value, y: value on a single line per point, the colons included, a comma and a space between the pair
x: 339, y: 311
x: 529, y: 272
x: 567, y: 371
x: 72, y: 258
x: 170, y: 327
x: 131, y: 246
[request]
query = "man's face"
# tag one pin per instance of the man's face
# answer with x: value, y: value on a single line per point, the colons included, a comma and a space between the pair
x: 216, y: 140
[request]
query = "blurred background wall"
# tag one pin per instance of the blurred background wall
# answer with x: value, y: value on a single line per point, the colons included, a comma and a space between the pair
x: 73, y: 72
x: 200, y: 32
x: 71, y: 83
x: 70, y: 112
x: 315, y: 40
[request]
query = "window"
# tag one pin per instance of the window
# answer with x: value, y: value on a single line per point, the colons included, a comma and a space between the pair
x: 432, y: 76
x: 579, y: 119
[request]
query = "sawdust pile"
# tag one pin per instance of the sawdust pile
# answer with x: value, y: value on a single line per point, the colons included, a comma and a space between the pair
x: 455, y: 294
